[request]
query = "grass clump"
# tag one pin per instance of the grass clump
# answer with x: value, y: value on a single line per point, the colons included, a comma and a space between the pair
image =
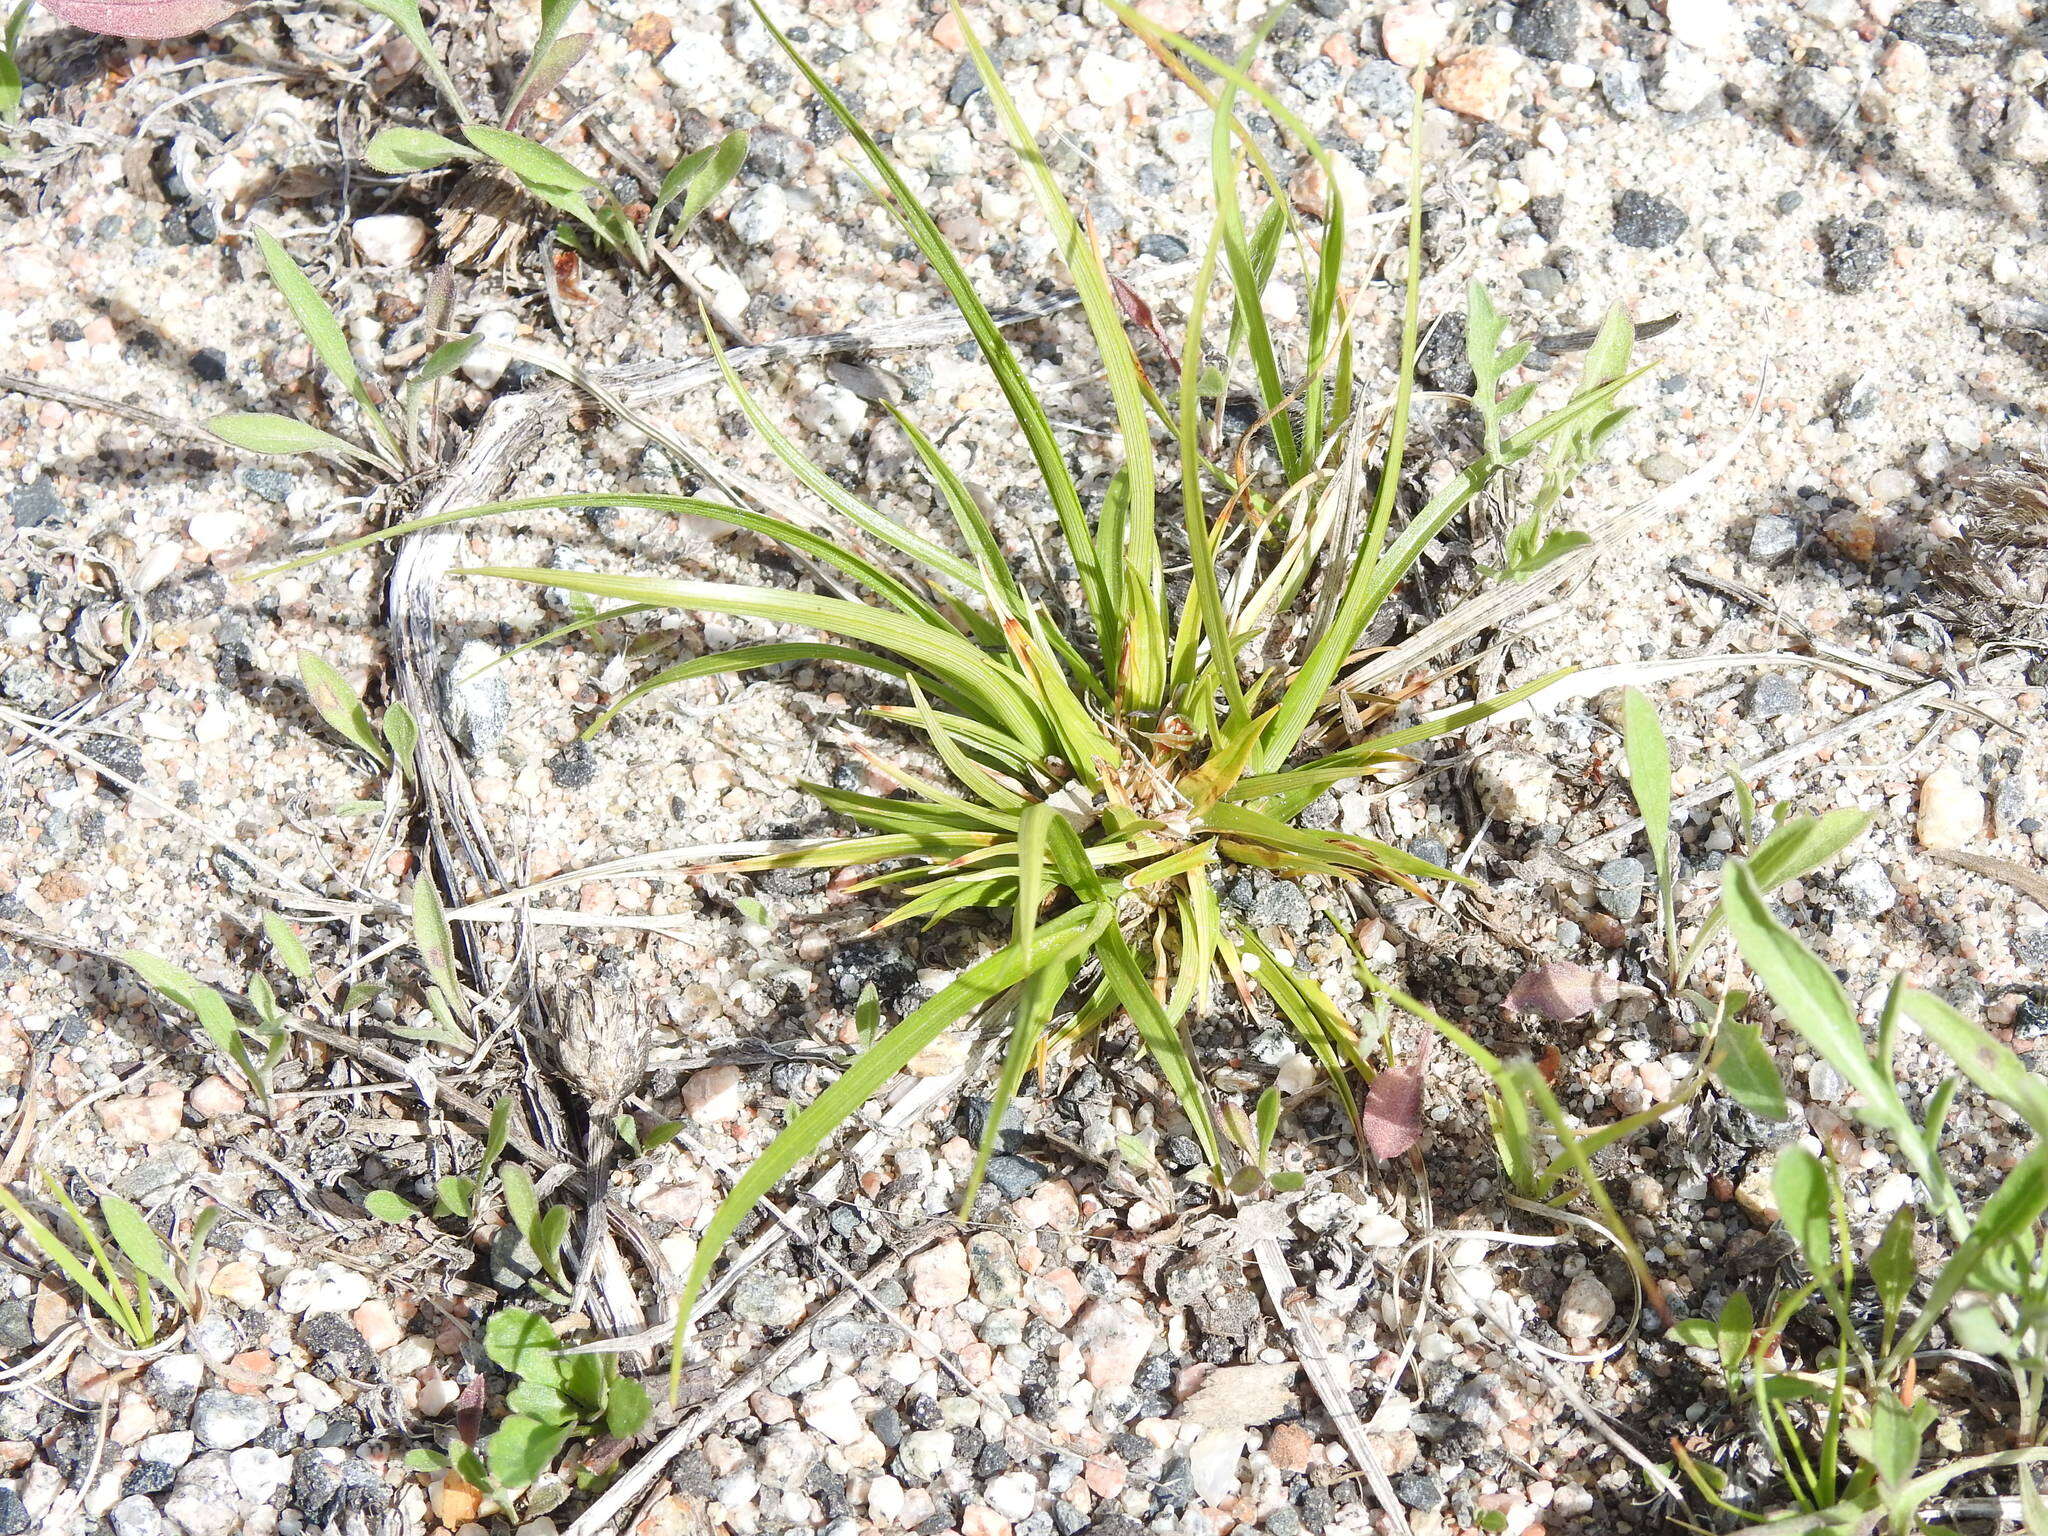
x: 1111, y: 757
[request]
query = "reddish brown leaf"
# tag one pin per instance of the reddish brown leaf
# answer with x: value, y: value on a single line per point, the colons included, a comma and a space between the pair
x: 1392, y: 1117
x: 1565, y: 990
x: 142, y: 18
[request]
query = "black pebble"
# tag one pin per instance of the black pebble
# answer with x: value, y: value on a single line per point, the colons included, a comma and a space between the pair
x: 1547, y: 29
x: 1646, y: 221
x: 574, y: 766
x: 1855, y: 253
x: 1164, y: 247
x: 210, y: 364
x: 1547, y: 214
x: 148, y: 1477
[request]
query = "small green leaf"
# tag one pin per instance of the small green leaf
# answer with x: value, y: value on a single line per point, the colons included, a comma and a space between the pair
x: 420, y: 1459
x: 699, y: 177
x: 752, y: 910
x: 399, y: 151
x: 1893, y: 1269
x: 436, y: 942
x: 520, y: 1449
x: 1744, y: 1068
x: 1985, y: 1060
x: 538, y: 168
x: 496, y: 1135
x: 1733, y: 1331
x: 287, y: 946
x: 134, y: 1236
x: 524, y: 1344
x: 521, y: 1205
x: 1696, y: 1333
x: 1805, y: 1206
x: 268, y: 432
x: 549, y: 1235
x: 455, y: 1196
x: 402, y: 733
x: 337, y: 703
x: 387, y: 1205
x: 1267, y: 1115
x: 1287, y: 1180
x: 445, y: 359
x: 538, y: 1400
x: 626, y: 1408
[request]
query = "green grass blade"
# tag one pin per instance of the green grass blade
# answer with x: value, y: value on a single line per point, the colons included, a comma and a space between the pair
x: 1057, y: 479
x: 1194, y: 515
x: 975, y: 779
x: 698, y: 178
x: 1369, y: 573
x: 1135, y: 563
x: 828, y: 490
x: 2012, y: 1210
x: 988, y: 979
x: 75, y: 1269
x: 995, y: 693
x: 743, y: 658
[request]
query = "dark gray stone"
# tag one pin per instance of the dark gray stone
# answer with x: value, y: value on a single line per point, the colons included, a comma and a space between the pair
x: 1773, y: 694
x: 1949, y: 30
x: 1441, y: 360
x: 1772, y: 537
x: 13, y: 1514
x: 574, y: 767
x: 1544, y: 282
x: 1015, y: 1176
x: 1420, y: 1491
x: 1380, y: 88
x: 35, y: 504
x: 1164, y: 247
x: 335, y: 1341
x: 1646, y: 221
x: 1855, y: 254
x: 1547, y: 29
x: 269, y: 484
x: 1621, y: 888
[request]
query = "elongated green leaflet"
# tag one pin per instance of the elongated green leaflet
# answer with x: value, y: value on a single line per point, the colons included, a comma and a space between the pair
x: 1064, y: 936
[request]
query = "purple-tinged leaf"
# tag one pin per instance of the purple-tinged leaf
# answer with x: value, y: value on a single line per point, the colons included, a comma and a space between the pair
x: 1565, y: 990
x: 142, y: 18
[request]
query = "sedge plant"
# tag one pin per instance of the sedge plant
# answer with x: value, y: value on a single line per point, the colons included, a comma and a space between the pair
x: 1116, y: 748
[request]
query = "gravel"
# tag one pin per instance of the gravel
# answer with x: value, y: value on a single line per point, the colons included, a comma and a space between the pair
x: 224, y: 1420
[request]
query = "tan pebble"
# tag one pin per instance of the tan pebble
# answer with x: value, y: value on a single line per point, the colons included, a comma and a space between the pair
x: 1951, y: 811
x: 90, y: 1381
x: 943, y: 1055
x: 1477, y: 83
x: 51, y: 1312
x: 939, y: 1276
x: 237, y: 1282
x: 378, y: 1324
x: 62, y: 887
x: 980, y: 1520
x: 214, y: 1097
x: 454, y: 1501
x: 1289, y: 1447
x: 134, y: 1420
x: 1855, y: 534
x: 713, y: 1095
x: 144, y: 1119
